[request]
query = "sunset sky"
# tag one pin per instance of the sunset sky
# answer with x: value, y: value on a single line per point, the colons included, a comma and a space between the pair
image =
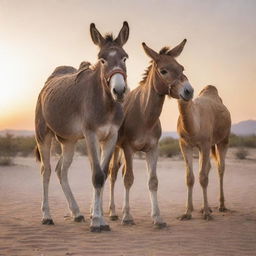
x: 36, y: 36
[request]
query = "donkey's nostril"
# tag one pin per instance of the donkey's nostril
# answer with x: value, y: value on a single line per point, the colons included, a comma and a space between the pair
x: 119, y: 92
x: 187, y: 92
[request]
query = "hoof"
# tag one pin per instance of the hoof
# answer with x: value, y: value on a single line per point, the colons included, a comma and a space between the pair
x: 202, y: 210
x: 160, y: 225
x: 95, y: 229
x: 185, y: 217
x: 79, y: 218
x: 47, y: 222
x: 105, y: 228
x: 128, y: 222
x: 207, y: 217
x: 223, y: 209
x: 113, y: 217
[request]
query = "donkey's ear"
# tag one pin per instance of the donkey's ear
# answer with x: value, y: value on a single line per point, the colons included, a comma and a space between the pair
x: 97, y: 38
x: 123, y: 34
x: 151, y: 53
x: 176, y: 51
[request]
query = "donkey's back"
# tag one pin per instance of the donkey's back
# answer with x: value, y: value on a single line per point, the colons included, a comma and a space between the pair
x: 66, y: 70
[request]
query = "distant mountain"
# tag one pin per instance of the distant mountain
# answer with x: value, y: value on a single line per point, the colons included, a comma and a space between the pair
x: 244, y: 128
x: 17, y: 133
x: 170, y: 134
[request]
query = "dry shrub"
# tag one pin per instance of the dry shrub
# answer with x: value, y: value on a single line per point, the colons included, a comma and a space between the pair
x: 241, y: 153
x: 6, y: 161
x: 169, y: 147
x: 8, y: 147
x: 242, y: 141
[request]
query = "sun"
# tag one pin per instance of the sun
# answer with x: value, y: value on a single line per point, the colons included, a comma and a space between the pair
x: 10, y: 76
x: 13, y: 87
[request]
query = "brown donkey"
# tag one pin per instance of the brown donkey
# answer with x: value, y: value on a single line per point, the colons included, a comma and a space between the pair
x: 141, y: 128
x: 204, y: 123
x: 83, y: 104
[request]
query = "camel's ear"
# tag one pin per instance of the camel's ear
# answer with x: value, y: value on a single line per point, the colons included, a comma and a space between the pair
x: 97, y: 38
x: 123, y: 34
x: 151, y: 53
x: 176, y: 51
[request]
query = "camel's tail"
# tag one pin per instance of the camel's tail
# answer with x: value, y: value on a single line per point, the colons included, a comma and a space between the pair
x: 214, y: 154
x: 37, y: 154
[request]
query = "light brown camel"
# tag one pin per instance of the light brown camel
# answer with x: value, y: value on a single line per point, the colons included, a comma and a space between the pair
x: 204, y: 123
x: 141, y: 128
x: 83, y: 103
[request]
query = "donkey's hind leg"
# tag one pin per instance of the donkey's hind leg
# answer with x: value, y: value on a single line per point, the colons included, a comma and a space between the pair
x: 44, y: 151
x: 151, y: 158
x: 114, y: 166
x: 62, y: 172
x: 128, y: 181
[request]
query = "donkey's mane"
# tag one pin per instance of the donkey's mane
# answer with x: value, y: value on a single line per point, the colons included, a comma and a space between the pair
x: 145, y: 74
x: 163, y: 51
x: 109, y: 38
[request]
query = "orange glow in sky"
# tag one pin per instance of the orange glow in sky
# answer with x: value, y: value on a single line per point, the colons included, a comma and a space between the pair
x: 37, y: 36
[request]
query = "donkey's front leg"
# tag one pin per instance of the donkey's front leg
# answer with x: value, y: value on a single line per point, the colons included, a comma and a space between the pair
x: 151, y: 158
x: 107, y: 148
x: 98, y: 179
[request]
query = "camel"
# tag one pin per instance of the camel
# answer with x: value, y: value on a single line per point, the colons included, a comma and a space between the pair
x: 204, y: 123
x: 84, y: 103
x: 141, y: 128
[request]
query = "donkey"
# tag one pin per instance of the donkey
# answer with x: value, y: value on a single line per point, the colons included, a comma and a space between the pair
x: 141, y: 128
x: 83, y: 104
x: 204, y: 123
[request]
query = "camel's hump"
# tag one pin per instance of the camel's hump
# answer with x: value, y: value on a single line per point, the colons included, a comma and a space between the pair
x: 210, y: 91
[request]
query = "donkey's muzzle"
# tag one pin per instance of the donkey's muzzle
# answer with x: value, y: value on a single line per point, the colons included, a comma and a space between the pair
x: 118, y: 86
x: 188, y: 92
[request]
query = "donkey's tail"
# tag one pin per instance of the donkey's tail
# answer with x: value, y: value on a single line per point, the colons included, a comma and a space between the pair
x: 214, y: 153
x: 37, y: 154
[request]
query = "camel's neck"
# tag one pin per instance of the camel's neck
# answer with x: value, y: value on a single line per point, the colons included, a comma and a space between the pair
x: 187, y: 116
x: 151, y: 101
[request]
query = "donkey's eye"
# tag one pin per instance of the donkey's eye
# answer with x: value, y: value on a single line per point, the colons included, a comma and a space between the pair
x: 103, y: 61
x: 163, y: 71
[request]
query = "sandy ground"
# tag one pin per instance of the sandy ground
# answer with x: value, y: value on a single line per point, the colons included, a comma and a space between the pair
x: 232, y: 233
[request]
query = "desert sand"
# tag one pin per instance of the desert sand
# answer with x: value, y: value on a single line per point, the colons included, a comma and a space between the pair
x: 231, y: 233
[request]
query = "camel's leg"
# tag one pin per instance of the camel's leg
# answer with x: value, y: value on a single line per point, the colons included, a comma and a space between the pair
x: 221, y: 154
x: 187, y: 152
x: 113, y: 170
x: 205, y: 167
x: 44, y: 150
x: 98, y: 179
x: 151, y: 158
x: 62, y: 172
x: 128, y: 181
